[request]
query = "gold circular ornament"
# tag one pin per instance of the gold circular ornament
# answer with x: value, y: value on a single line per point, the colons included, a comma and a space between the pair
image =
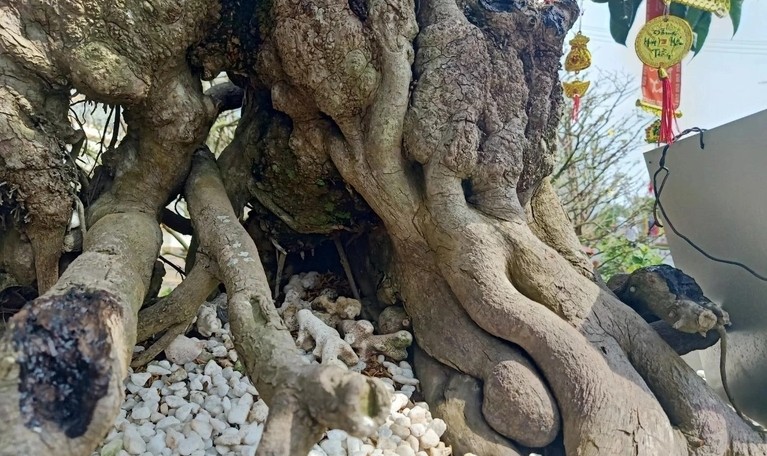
x: 664, y: 41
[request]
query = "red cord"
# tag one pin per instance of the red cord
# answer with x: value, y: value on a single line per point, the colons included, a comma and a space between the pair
x: 576, y: 108
x: 667, y: 113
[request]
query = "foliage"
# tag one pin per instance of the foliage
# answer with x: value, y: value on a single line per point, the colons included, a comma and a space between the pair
x: 599, y: 185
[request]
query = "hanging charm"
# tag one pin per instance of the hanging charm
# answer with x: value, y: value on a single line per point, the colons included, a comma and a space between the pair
x: 577, y: 60
x: 662, y: 43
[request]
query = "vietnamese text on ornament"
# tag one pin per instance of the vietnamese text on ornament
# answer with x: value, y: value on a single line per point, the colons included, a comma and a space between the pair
x: 663, y: 42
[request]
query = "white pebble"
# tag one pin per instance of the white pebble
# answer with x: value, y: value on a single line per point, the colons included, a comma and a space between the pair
x: 173, y: 438
x: 183, y: 350
x: 183, y: 412
x: 239, y: 413
x: 157, y: 370
x: 333, y: 447
x: 202, y: 426
x: 132, y: 441
x: 417, y: 415
x: 191, y: 443
x: 167, y: 422
x: 156, y: 444
x: 140, y: 379
x: 398, y: 401
x: 174, y: 401
x: 140, y: 413
x: 401, y: 379
x: 418, y: 429
x: 230, y: 436
x: 251, y: 433
x: 438, y: 426
x: 212, y: 369
x: 405, y: 450
x: 259, y: 411
x: 429, y: 439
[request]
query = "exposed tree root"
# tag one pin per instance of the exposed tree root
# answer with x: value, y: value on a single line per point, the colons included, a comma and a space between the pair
x: 160, y: 344
x: 181, y: 305
x: 455, y: 397
x: 304, y: 398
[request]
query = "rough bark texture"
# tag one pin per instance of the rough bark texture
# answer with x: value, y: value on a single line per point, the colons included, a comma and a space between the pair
x: 433, y: 119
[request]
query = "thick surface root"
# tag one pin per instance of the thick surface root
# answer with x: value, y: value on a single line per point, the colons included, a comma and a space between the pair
x: 304, y: 399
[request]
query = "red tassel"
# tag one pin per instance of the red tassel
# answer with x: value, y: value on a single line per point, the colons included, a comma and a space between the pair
x: 576, y: 108
x: 667, y: 113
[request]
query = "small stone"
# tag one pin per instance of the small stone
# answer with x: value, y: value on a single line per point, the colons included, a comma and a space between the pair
x: 178, y: 375
x: 400, y: 431
x: 418, y: 429
x: 183, y: 349
x: 195, y: 385
x: 251, y: 433
x: 174, y: 401
x: 183, y: 412
x: 317, y: 451
x: 245, y: 450
x: 239, y: 413
x: 202, y: 426
x: 417, y: 415
x: 398, y: 402
x: 156, y: 444
x: 259, y: 411
x: 140, y: 413
x: 207, y: 320
x: 167, y: 422
x: 132, y: 441
x: 337, y: 434
x: 191, y: 443
x: 413, y: 442
x: 147, y: 430
x: 230, y: 436
x: 222, y: 390
x: 173, y: 439
x: 405, y: 450
x: 150, y: 394
x: 429, y: 439
x: 401, y: 379
x: 112, y: 448
x: 438, y: 426
x: 219, y: 351
x: 157, y: 370
x: 140, y: 379
x: 353, y: 444
x: 212, y: 369
x: 218, y: 425
x: 233, y: 356
x: 333, y: 447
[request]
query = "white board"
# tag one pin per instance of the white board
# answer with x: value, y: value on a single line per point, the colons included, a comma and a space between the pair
x: 717, y: 197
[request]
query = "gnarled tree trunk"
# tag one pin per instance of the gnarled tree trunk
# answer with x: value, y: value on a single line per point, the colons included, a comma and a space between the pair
x: 435, y: 116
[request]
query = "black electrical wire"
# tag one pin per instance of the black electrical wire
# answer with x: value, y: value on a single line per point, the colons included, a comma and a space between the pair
x: 658, y: 189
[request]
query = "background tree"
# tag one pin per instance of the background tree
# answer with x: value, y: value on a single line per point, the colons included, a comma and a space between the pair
x: 601, y: 187
x: 428, y: 131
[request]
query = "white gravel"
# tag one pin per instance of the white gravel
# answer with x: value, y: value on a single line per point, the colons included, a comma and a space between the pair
x: 206, y: 406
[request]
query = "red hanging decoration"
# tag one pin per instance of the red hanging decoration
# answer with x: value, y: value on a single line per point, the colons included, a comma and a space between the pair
x: 576, y: 108
x: 667, y: 111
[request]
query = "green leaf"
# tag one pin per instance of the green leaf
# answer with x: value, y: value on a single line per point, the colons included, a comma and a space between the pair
x: 736, y: 7
x: 622, y: 15
x: 678, y: 10
x: 701, y: 31
x: 693, y: 16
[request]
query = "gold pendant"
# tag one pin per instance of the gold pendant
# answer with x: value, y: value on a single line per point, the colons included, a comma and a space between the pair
x: 579, y: 57
x: 576, y: 88
x: 663, y: 42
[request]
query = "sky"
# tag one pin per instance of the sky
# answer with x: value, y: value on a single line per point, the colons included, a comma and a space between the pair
x: 727, y: 80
